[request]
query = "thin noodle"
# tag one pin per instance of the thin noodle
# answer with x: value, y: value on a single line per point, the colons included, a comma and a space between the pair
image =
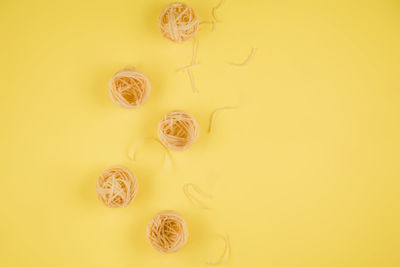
x: 225, y: 253
x: 196, y: 43
x: 186, y: 67
x: 214, y: 9
x: 189, y: 71
x: 192, y: 198
x: 209, y: 22
x: 132, y: 150
x: 253, y: 51
x: 213, y: 116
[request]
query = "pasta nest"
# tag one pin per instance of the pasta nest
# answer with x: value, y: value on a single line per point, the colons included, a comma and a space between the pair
x: 178, y: 22
x: 129, y: 88
x: 178, y: 130
x: 167, y: 232
x: 116, y: 187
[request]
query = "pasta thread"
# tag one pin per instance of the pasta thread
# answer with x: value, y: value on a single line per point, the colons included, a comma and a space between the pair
x: 215, y: 9
x: 192, y: 198
x: 244, y: 63
x: 212, y: 22
x: 225, y: 253
x: 189, y: 71
x: 186, y: 67
x: 132, y: 151
x: 213, y: 116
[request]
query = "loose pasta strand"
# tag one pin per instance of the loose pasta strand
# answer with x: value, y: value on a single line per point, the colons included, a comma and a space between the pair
x: 186, y: 67
x: 244, y: 63
x: 225, y: 253
x: 132, y: 151
x: 192, y: 198
x: 212, y: 22
x: 130, y: 66
x: 189, y: 71
x: 214, y: 9
x: 196, y: 43
x: 213, y: 116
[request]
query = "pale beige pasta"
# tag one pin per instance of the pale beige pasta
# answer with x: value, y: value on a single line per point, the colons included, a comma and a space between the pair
x: 244, y: 63
x: 225, y: 254
x: 188, y: 67
x: 116, y: 187
x: 129, y: 88
x: 195, y: 200
x: 215, y: 9
x: 194, y: 63
x: 178, y: 130
x: 133, y: 149
x: 213, y: 115
x: 167, y: 232
x: 190, y: 74
x: 178, y: 22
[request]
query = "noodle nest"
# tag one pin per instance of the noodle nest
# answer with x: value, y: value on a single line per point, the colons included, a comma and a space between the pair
x: 116, y: 187
x: 178, y: 130
x: 167, y: 232
x: 129, y: 88
x: 178, y: 22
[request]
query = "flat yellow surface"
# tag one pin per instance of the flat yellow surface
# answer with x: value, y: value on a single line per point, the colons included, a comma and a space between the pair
x: 305, y: 172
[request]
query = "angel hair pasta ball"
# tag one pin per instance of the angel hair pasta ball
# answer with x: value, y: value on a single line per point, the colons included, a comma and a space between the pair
x: 116, y: 187
x: 129, y: 88
x: 167, y: 232
x: 178, y: 130
x: 178, y: 22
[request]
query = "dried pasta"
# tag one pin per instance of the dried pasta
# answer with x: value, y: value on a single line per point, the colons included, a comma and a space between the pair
x: 244, y: 63
x: 129, y: 88
x: 213, y: 116
x: 214, y: 9
x: 178, y: 130
x: 225, y: 253
x: 192, y: 198
x: 167, y: 232
x: 178, y: 22
x: 116, y: 187
x: 132, y: 151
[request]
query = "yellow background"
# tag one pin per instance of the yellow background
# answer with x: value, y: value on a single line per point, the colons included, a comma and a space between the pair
x: 304, y: 173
